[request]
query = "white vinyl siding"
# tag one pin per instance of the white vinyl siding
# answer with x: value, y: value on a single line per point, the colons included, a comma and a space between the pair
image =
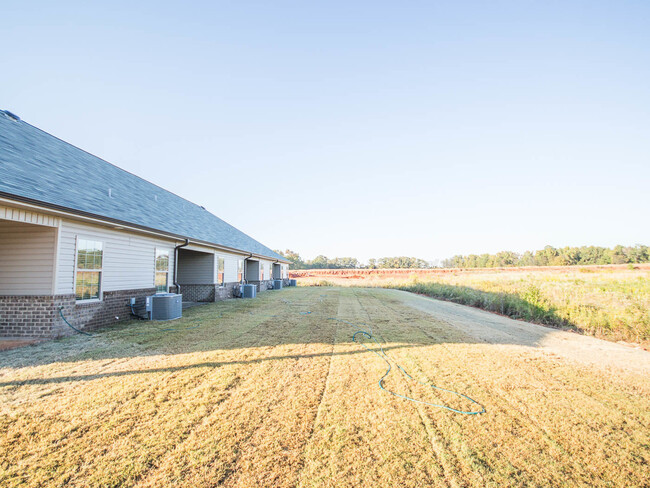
x: 230, y: 267
x: 27, y: 216
x: 26, y: 258
x: 196, y: 268
x: 128, y: 261
x: 266, y: 269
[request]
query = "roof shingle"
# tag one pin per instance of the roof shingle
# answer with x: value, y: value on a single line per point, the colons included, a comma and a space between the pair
x: 38, y: 166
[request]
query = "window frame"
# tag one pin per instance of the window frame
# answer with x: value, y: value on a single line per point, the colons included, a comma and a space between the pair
x: 156, y: 271
x: 221, y: 270
x: 100, y: 293
x: 240, y: 270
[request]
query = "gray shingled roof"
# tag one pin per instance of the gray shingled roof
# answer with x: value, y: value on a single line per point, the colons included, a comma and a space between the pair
x: 37, y: 166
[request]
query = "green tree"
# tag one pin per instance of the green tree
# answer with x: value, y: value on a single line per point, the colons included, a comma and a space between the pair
x: 294, y: 258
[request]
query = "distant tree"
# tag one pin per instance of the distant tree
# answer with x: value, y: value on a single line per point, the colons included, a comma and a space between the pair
x: 294, y: 258
x: 319, y: 262
x: 401, y: 262
x: 550, y: 256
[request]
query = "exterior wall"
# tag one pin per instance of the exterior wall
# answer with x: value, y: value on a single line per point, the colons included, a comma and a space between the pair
x: 27, y: 258
x: 27, y: 216
x: 128, y: 262
x: 40, y: 250
x: 252, y: 271
x: 114, y: 307
x: 26, y: 316
x: 196, y: 267
x: 230, y: 267
x: 267, y: 266
x: 208, y: 293
x: 38, y: 316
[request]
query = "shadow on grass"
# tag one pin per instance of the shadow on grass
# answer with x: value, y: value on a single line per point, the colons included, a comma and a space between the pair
x: 297, y: 316
x: 172, y: 369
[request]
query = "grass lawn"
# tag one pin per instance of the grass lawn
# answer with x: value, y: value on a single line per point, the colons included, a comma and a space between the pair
x: 260, y: 393
x: 611, y: 303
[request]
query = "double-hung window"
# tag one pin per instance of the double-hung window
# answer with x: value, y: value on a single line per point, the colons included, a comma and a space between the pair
x: 240, y: 270
x: 221, y: 266
x: 88, y: 275
x: 161, y: 278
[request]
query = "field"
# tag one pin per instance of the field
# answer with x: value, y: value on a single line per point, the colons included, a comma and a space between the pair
x: 272, y: 392
x: 610, y: 302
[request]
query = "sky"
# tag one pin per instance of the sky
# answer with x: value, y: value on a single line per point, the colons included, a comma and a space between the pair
x: 362, y: 129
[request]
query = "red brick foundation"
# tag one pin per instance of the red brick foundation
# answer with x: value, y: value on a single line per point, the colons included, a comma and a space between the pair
x: 39, y: 316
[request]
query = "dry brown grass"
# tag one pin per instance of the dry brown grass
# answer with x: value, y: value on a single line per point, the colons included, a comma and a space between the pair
x: 253, y: 399
x: 609, y: 302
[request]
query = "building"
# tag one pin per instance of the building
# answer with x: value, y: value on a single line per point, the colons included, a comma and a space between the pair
x: 80, y: 233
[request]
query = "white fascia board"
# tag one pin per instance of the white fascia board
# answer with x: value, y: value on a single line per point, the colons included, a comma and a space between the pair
x: 124, y: 226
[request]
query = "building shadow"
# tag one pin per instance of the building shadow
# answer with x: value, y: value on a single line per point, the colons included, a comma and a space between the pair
x: 292, y: 317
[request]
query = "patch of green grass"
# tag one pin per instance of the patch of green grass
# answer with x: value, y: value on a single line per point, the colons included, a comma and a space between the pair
x: 610, y: 304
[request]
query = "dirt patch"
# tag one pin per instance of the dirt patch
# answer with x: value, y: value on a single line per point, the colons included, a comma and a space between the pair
x: 497, y: 329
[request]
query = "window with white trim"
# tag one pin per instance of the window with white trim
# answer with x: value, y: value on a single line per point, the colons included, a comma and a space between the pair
x: 221, y: 267
x: 161, y: 278
x: 240, y: 270
x: 88, y: 274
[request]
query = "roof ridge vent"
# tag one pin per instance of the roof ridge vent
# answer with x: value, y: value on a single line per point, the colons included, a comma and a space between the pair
x: 9, y: 115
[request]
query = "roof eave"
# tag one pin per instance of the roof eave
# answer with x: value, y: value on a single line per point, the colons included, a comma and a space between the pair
x: 126, y: 225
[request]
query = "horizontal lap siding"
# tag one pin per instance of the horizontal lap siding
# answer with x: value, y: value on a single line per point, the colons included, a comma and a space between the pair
x: 27, y: 216
x: 128, y: 261
x: 229, y: 267
x: 26, y: 258
x: 196, y: 268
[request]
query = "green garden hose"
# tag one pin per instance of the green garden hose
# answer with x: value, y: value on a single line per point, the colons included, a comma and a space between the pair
x: 384, y: 356
x: 70, y: 325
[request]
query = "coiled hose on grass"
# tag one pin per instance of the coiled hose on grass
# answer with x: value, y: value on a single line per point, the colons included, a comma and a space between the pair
x: 369, y: 335
x: 382, y: 354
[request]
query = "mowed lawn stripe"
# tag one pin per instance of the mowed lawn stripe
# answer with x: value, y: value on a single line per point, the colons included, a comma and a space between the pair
x: 264, y: 393
x: 562, y: 424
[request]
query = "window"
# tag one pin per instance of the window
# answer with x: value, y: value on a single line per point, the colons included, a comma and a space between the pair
x: 88, y: 277
x: 161, y: 279
x: 221, y: 266
x: 240, y: 270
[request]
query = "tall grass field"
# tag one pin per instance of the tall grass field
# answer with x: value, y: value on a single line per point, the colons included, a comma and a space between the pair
x: 607, y: 302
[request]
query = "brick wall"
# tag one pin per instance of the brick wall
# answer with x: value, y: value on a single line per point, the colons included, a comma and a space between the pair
x: 39, y: 316
x: 198, y: 293
x: 114, y: 307
x: 208, y: 293
x: 26, y: 316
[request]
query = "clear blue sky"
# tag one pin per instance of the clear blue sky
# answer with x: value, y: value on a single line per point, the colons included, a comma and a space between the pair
x: 362, y: 129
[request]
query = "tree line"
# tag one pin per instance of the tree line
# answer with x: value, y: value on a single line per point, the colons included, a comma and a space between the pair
x: 549, y: 256
x: 323, y: 262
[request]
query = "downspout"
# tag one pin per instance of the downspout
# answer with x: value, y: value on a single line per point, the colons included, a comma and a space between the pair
x: 178, y: 287
x: 246, y: 267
